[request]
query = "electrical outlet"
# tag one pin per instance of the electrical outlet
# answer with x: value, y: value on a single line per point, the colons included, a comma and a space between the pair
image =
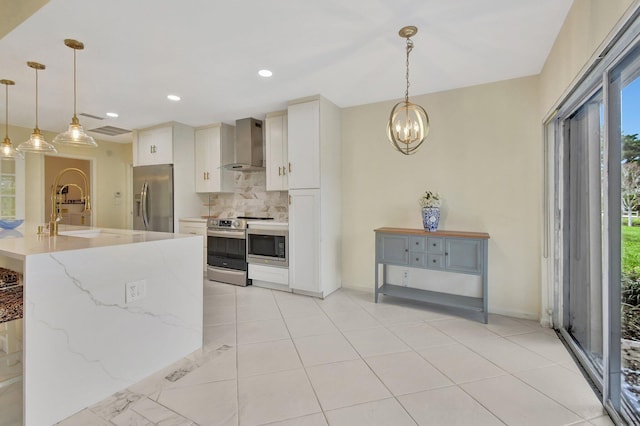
x: 135, y: 290
x: 405, y: 278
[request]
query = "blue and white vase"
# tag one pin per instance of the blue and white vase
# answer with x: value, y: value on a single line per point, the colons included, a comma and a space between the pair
x: 430, y: 218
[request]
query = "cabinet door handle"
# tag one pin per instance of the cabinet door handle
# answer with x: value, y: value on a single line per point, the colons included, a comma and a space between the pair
x: 406, y: 250
x: 434, y: 244
x: 207, y: 175
x: 289, y: 199
x: 434, y: 261
x: 289, y: 167
x: 417, y: 259
x: 446, y: 254
x: 279, y: 171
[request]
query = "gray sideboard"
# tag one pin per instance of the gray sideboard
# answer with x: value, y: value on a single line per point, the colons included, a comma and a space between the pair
x: 448, y: 251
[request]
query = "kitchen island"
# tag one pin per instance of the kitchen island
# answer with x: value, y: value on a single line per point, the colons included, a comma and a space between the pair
x: 103, y: 308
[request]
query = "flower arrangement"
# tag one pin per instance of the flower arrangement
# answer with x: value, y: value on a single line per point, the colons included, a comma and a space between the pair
x: 429, y: 199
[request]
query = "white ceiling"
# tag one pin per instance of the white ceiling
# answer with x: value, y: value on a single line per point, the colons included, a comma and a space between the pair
x: 209, y: 51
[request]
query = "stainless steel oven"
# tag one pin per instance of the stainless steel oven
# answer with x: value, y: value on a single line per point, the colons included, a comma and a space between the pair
x: 226, y: 251
x: 268, y: 243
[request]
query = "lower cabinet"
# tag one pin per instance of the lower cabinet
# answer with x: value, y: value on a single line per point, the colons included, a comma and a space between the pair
x: 314, y: 243
x: 304, y: 240
x: 448, y: 251
x: 196, y: 227
x: 273, y: 277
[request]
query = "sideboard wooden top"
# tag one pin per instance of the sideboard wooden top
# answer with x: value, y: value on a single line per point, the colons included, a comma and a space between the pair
x: 443, y: 233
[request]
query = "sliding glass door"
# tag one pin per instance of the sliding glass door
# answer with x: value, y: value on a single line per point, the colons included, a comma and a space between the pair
x: 597, y: 215
x: 624, y: 274
x: 583, y: 166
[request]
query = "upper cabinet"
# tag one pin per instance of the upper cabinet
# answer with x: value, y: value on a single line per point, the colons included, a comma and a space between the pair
x: 276, y: 151
x: 153, y: 146
x: 214, y: 149
x: 304, y: 145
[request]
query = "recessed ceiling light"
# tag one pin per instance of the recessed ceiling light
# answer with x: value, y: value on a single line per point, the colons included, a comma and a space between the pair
x: 265, y: 73
x: 112, y: 114
x: 173, y: 97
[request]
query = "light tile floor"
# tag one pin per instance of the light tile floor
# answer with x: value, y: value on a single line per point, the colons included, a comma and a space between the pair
x: 281, y: 359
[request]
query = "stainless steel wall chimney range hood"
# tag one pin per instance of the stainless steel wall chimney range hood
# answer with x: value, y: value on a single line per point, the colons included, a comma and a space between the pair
x: 248, y: 146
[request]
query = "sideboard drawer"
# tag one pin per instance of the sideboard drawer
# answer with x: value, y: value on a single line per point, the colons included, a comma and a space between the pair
x: 416, y: 259
x: 434, y: 245
x: 435, y: 261
x: 416, y: 243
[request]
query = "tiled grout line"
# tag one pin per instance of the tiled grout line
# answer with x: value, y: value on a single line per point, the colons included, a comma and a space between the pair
x: 370, y: 369
x: 387, y: 327
x: 235, y: 304
x: 507, y: 372
x: 306, y: 373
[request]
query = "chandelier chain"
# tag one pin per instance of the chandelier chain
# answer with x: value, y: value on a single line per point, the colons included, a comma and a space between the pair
x: 6, y: 104
x: 74, y: 82
x: 409, y: 49
x: 36, y: 98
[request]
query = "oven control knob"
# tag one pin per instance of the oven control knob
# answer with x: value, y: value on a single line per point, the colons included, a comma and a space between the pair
x: 214, y: 222
x: 235, y: 224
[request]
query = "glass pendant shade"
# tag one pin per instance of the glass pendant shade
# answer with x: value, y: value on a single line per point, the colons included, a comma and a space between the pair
x: 7, y: 151
x: 75, y: 134
x: 408, y: 127
x: 36, y: 142
x: 408, y: 124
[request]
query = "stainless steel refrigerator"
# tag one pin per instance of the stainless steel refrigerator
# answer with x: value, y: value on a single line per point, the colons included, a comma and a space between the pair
x: 153, y: 198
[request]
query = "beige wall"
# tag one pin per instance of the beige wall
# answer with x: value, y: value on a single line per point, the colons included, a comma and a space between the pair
x: 482, y: 155
x: 111, y: 164
x: 15, y: 12
x: 53, y: 166
x: 585, y: 28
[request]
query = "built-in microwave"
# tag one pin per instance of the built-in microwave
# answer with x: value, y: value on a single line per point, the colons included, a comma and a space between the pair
x: 268, y: 244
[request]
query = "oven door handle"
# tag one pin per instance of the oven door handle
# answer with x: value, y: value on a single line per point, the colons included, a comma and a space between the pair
x: 226, y: 234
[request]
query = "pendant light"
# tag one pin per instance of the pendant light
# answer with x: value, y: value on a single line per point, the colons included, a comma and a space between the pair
x: 408, y: 124
x: 6, y: 149
x: 36, y: 142
x: 75, y: 135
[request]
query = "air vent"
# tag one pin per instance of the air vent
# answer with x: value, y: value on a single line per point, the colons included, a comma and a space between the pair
x: 95, y: 117
x: 110, y: 130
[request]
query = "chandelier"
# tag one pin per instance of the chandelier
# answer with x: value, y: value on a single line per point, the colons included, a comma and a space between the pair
x: 408, y: 124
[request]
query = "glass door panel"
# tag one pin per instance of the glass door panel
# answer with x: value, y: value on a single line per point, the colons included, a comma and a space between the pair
x: 582, y: 291
x: 624, y: 120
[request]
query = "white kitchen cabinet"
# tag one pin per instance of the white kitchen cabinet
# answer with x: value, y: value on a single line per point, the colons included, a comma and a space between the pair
x: 277, y: 167
x: 304, y: 145
x: 304, y: 240
x: 214, y: 149
x: 196, y: 226
x: 315, y: 224
x: 171, y: 143
x: 153, y: 146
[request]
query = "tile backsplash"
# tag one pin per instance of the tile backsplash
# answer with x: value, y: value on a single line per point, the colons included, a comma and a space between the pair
x: 249, y: 198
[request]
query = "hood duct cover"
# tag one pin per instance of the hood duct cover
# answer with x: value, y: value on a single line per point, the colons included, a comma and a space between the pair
x: 248, y: 146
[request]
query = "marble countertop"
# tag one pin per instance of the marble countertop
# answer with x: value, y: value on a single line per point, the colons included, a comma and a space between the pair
x: 24, y: 241
x: 194, y: 219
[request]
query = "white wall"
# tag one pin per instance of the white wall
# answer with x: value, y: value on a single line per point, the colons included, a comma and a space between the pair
x: 483, y: 156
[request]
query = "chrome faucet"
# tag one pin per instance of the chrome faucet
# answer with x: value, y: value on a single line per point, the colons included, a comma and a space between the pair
x: 55, y: 217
